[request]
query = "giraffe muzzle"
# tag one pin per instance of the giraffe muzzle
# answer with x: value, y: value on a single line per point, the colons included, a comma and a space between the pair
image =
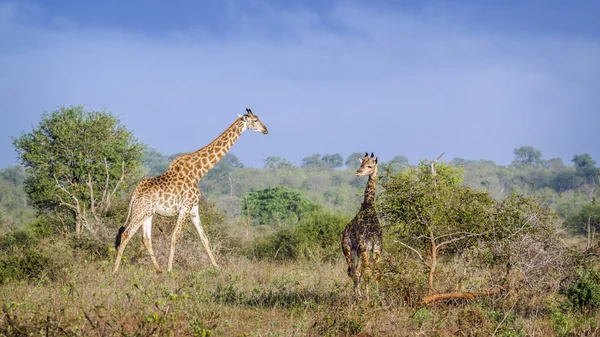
x: 264, y: 130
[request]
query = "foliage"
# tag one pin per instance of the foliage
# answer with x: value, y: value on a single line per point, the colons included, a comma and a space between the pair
x: 155, y: 162
x: 584, y: 165
x: 527, y: 156
x: 333, y: 160
x: 75, y: 157
x: 583, y: 294
x: 14, y: 210
x: 328, y: 161
x: 277, y: 163
x: 24, y: 257
x: 316, y: 236
x: 352, y: 161
x: 414, y: 202
x: 276, y: 204
x: 434, y: 214
x: 578, y: 221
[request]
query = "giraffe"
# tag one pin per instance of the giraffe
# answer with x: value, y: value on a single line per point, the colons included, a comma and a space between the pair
x: 362, y: 237
x: 176, y: 192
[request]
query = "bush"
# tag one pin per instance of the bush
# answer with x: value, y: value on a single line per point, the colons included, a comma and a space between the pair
x: 317, y: 235
x: 25, y: 257
x: 583, y: 295
x: 277, y: 203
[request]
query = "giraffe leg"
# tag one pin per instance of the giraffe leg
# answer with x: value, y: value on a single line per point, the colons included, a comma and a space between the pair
x: 196, y: 220
x: 376, y: 268
x: 355, y: 272
x: 147, y: 240
x: 176, y: 232
x: 134, y: 225
x: 365, y: 264
x: 346, y: 249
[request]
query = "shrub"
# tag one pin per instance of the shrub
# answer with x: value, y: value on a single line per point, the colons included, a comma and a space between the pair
x: 277, y: 203
x: 317, y: 235
x: 583, y: 295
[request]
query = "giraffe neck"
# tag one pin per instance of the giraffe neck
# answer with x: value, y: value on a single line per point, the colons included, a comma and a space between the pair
x: 198, y: 163
x: 370, y: 190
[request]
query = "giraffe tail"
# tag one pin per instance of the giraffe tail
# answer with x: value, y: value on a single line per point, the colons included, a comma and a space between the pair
x: 122, y: 228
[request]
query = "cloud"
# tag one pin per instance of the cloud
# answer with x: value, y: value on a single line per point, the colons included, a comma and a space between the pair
x: 346, y: 79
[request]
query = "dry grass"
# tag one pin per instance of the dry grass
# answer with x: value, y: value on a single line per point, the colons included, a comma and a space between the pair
x: 243, y: 298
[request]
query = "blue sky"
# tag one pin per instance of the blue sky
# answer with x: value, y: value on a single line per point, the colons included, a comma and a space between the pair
x: 473, y: 79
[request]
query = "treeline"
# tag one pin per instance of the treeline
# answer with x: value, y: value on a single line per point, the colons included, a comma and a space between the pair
x: 328, y: 180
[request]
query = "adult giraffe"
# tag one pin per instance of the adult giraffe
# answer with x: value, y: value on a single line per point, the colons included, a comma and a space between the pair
x: 176, y: 192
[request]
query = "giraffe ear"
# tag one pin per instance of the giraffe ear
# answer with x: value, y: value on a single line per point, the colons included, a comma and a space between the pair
x: 375, y: 160
x: 360, y: 160
x: 239, y: 115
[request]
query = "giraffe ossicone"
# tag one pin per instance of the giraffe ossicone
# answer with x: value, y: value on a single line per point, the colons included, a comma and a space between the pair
x: 176, y: 192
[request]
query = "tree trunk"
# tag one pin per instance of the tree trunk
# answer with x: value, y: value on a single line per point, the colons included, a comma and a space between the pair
x: 433, y: 263
x: 77, y: 223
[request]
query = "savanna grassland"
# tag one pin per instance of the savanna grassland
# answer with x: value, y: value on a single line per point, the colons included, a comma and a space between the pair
x: 477, y: 249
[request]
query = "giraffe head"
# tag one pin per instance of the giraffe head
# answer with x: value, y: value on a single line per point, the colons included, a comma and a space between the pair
x: 252, y: 122
x: 368, y: 165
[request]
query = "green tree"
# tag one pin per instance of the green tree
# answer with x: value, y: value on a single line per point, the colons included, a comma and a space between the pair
x: 76, y: 162
x: 397, y: 163
x: 585, y: 165
x: 276, y: 203
x: 555, y: 164
x: 14, y: 210
x: 352, y: 160
x: 431, y: 214
x: 587, y: 218
x: 155, y: 162
x: 314, y: 162
x: 527, y: 156
x: 277, y: 163
x: 333, y: 160
x: 228, y: 163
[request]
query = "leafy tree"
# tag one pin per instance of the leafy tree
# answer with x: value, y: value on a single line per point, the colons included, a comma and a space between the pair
x: 277, y: 163
x: 352, y: 160
x: 584, y: 165
x: 431, y: 214
x: 527, y: 156
x: 13, y: 200
x: 400, y: 160
x: 276, y: 203
x: 314, y: 162
x: 555, y: 164
x: 586, y: 218
x: 228, y: 163
x: 458, y: 161
x: 397, y: 163
x: 333, y: 160
x: 76, y: 162
x: 155, y: 162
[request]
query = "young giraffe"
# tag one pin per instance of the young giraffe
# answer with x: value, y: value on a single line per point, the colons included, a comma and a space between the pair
x: 176, y: 191
x: 362, y: 236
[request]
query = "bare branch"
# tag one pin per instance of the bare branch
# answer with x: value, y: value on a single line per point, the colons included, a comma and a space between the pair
x: 119, y: 182
x: 416, y: 251
x: 458, y: 239
x: 457, y: 233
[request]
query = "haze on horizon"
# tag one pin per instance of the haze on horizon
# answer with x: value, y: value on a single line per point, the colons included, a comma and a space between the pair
x: 417, y: 79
